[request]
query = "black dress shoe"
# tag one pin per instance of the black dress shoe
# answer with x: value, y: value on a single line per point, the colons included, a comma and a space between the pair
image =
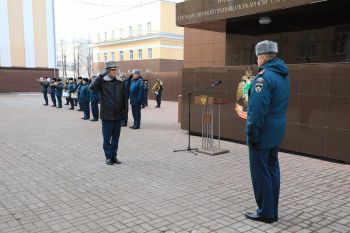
x: 79, y: 110
x: 53, y: 106
x: 109, y: 161
x: 123, y: 125
x: 256, y: 217
x: 132, y: 127
x: 70, y: 108
x: 116, y: 161
x: 136, y: 127
x: 94, y: 119
x: 46, y: 104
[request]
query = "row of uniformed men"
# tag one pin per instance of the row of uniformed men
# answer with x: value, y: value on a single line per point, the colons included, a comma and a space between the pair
x: 79, y: 93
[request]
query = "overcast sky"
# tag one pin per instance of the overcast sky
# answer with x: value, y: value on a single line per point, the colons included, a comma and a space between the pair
x: 81, y: 18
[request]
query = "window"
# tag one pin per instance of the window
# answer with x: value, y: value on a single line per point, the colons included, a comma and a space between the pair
x: 149, y: 27
x: 131, y: 32
x: 121, y: 56
x: 341, y: 42
x: 140, y: 54
x: 113, y: 56
x: 149, y: 53
x: 98, y: 57
x: 131, y: 55
x: 113, y: 35
x: 139, y: 29
x: 105, y: 36
x: 121, y: 32
x: 308, y: 47
x: 105, y: 56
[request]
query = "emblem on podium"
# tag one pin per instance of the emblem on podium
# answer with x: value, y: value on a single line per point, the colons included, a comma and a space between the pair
x: 241, y: 107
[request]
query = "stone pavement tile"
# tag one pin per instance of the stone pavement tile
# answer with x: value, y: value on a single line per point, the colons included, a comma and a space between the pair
x: 63, y: 185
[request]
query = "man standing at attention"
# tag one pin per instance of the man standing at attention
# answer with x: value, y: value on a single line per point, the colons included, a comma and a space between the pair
x: 113, y: 101
x: 136, y: 96
x: 266, y: 122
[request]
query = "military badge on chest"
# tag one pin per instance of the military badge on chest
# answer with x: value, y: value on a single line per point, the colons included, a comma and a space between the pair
x: 259, y: 85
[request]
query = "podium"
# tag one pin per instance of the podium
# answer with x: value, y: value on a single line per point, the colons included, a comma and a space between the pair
x: 209, y: 145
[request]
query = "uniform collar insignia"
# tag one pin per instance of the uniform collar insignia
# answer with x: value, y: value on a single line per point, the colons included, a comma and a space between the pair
x: 261, y: 72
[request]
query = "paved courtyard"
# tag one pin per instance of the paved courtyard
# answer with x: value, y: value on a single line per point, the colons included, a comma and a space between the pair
x: 53, y: 178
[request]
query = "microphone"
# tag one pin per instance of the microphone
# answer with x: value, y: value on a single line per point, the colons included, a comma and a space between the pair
x: 216, y: 83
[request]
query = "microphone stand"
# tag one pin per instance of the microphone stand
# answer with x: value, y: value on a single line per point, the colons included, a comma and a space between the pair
x: 189, y: 148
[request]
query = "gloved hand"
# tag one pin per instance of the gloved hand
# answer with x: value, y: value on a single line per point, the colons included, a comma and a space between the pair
x: 251, y: 141
x: 104, y: 73
x: 253, y: 137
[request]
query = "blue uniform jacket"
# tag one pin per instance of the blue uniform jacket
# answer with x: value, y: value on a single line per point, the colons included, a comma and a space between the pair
x: 84, y: 94
x: 267, y: 106
x: 59, y: 89
x: 94, y: 96
x: 127, y: 84
x: 52, y: 90
x: 136, y: 91
x: 44, y: 87
x: 72, y: 87
x: 79, y: 85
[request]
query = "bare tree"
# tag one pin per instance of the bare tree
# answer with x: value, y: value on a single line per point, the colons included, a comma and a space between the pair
x: 78, y: 63
x: 74, y: 60
x: 65, y: 66
x: 61, y: 45
x: 89, y: 60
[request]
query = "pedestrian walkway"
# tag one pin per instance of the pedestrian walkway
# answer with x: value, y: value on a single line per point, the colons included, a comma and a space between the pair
x: 53, y: 178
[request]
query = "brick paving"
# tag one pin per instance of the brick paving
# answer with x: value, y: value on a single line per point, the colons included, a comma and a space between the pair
x: 53, y: 178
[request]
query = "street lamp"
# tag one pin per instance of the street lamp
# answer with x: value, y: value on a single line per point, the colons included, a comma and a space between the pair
x: 265, y: 20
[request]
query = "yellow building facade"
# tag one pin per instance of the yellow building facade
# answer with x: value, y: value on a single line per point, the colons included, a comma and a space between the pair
x: 145, y: 38
x: 27, y: 43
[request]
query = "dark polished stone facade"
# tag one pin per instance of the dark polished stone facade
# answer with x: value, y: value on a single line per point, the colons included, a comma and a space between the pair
x: 22, y: 79
x: 318, y: 118
x: 316, y: 48
x: 167, y: 70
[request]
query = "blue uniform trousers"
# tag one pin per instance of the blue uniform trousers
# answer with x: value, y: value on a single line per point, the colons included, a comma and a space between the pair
x: 265, y: 173
x: 59, y: 100
x: 86, y: 110
x: 94, y: 110
x: 53, y: 98
x: 45, y: 98
x: 136, y: 114
x: 145, y: 100
x: 125, y: 118
x: 111, y: 133
x: 159, y: 99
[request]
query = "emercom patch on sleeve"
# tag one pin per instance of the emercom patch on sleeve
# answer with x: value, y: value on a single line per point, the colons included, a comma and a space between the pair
x: 259, y: 85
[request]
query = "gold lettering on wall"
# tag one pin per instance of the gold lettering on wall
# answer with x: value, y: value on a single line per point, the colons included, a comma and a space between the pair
x: 232, y: 8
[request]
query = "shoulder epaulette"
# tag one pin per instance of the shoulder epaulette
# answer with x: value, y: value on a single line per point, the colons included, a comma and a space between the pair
x: 261, y: 72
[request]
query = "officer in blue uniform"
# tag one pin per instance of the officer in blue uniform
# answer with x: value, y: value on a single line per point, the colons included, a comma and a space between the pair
x: 71, y: 89
x: 136, y: 96
x: 145, y: 93
x: 79, y: 85
x: 44, y: 89
x: 113, y: 101
x: 59, y: 92
x: 94, y: 98
x: 127, y: 83
x: 53, y: 91
x: 266, y: 122
x: 84, y: 98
